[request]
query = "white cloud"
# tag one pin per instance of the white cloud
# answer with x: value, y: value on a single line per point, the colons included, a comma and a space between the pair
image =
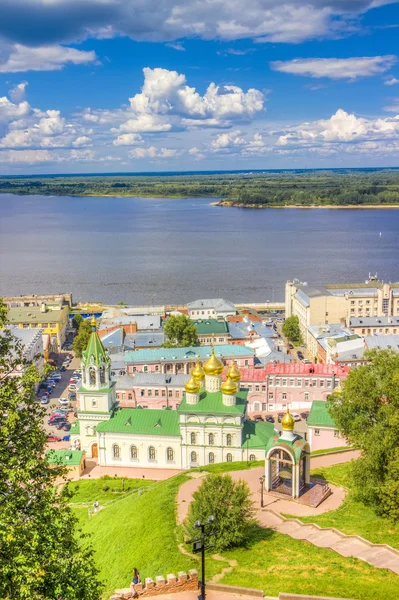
x: 341, y: 127
x: 153, y: 152
x: 10, y: 110
x: 227, y: 140
x: 196, y: 153
x: 392, y: 81
x: 44, y: 58
x: 336, y: 68
x: 176, y: 46
x: 238, y: 143
x: 17, y: 93
x: 394, y: 106
x: 30, y: 157
x: 145, y: 123
x: 80, y: 141
x: 128, y: 139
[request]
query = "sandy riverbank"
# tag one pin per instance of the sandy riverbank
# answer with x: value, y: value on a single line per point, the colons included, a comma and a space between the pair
x: 329, y: 206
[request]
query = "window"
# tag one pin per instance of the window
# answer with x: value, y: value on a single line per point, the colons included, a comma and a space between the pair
x: 151, y: 453
x: 157, y: 367
x: 193, y: 457
x: 149, y: 393
x: 284, y: 382
x: 133, y: 453
x: 317, y: 431
x: 292, y: 381
x: 142, y: 392
x: 306, y: 382
x: 321, y: 383
x: 192, y: 437
x: 211, y: 458
x: 163, y: 393
x: 177, y: 394
x: 284, y: 396
x: 229, y: 457
x: 94, y: 403
x: 169, y: 454
x: 270, y: 395
x: 228, y: 439
x: 170, y: 393
x: 299, y: 382
x: 157, y: 392
x: 306, y: 395
x: 246, y: 363
x: 102, y: 375
x: 116, y: 451
x: 328, y: 382
x: 211, y: 439
x: 145, y: 369
x: 263, y: 388
x: 130, y: 397
x: 250, y: 388
x: 277, y: 382
x: 336, y: 434
x: 252, y: 457
x: 256, y: 388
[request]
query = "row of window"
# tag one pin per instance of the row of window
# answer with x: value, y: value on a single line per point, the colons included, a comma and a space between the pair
x: 293, y: 382
x: 211, y: 457
x: 336, y: 432
x: 387, y: 330
x: 134, y: 453
x: 211, y: 439
x: 39, y: 325
x: 171, y: 393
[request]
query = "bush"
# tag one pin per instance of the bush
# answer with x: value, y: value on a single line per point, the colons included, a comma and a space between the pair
x: 105, y: 488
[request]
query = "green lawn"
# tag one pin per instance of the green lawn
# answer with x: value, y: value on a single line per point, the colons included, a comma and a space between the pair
x: 232, y: 466
x: 104, y: 489
x: 353, y: 517
x: 140, y: 531
x: 331, y: 450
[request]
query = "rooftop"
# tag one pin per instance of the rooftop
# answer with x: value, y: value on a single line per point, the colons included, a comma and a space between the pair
x: 386, y: 342
x: 218, y: 304
x: 141, y: 421
x: 64, y: 457
x: 212, y: 403
x: 243, y: 329
x: 33, y: 314
x: 374, y: 321
x: 319, y: 415
x: 210, y: 326
x: 189, y: 353
x: 144, y: 322
x: 330, y: 330
x: 304, y: 369
x: 259, y: 434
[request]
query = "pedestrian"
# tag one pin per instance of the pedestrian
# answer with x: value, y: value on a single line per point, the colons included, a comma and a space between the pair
x: 135, y: 581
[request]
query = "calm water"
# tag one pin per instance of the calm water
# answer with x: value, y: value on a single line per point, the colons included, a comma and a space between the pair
x: 142, y: 250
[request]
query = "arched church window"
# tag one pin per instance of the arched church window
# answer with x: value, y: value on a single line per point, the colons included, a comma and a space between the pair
x: 193, y: 457
x: 102, y: 375
x: 92, y: 376
x: 229, y: 457
x: 133, y: 452
x: 193, y: 438
x: 151, y: 453
x: 116, y: 451
x: 169, y: 454
x: 211, y: 458
x: 252, y: 457
x: 229, y: 439
x: 211, y: 439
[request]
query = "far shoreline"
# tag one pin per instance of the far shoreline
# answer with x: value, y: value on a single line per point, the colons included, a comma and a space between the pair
x: 313, y: 206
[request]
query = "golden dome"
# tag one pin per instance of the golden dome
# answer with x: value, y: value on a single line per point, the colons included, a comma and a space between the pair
x: 192, y: 386
x: 198, y: 372
x: 234, y: 373
x: 229, y: 387
x: 288, y: 421
x: 93, y: 321
x: 213, y: 366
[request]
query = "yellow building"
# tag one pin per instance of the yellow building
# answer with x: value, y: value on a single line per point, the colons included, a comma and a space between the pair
x: 52, y: 318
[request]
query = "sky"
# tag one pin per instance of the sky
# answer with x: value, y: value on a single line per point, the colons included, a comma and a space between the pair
x: 90, y: 86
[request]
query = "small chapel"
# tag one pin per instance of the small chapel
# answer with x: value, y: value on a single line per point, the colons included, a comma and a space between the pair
x: 210, y: 425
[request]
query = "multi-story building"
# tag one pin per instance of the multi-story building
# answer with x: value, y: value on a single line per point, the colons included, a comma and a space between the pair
x: 32, y: 348
x: 29, y: 300
x: 51, y: 318
x: 150, y: 390
x: 176, y: 361
x: 374, y: 325
x: 214, y: 331
x: 322, y: 430
x: 211, y: 309
x: 335, y: 303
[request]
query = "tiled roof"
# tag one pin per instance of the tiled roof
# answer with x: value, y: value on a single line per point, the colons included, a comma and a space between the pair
x: 212, y: 403
x: 303, y: 369
x: 189, y: 353
x: 155, y: 379
x: 64, y: 457
x: 141, y: 421
x: 259, y: 434
x: 249, y: 375
x: 219, y: 304
x: 319, y: 415
x: 209, y: 326
x: 374, y: 321
x: 144, y: 322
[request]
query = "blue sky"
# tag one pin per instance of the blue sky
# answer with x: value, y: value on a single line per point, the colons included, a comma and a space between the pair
x: 127, y: 85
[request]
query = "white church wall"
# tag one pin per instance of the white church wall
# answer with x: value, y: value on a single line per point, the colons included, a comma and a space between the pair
x: 144, y: 444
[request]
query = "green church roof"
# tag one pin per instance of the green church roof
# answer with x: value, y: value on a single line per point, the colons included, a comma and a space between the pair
x: 142, y: 422
x: 212, y: 403
x: 319, y: 415
x: 64, y: 457
x: 259, y: 434
x: 75, y: 428
x: 95, y: 349
x: 210, y: 326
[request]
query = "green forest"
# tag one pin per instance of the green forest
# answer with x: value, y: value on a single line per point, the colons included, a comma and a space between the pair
x: 281, y: 188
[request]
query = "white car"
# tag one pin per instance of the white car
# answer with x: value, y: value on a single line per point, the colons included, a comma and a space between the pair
x: 72, y: 387
x: 63, y: 401
x: 295, y: 416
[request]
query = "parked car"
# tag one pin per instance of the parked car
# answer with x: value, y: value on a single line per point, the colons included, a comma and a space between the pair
x: 70, y: 356
x: 290, y: 346
x: 269, y: 418
x: 53, y: 438
x: 305, y: 415
x: 44, y: 400
x: 72, y: 387
x: 66, y: 438
x: 300, y: 355
x: 280, y: 417
x: 77, y: 372
x: 258, y: 418
x: 62, y: 368
x: 56, y: 376
x: 296, y: 416
x: 63, y: 401
x: 72, y: 396
x: 66, y: 426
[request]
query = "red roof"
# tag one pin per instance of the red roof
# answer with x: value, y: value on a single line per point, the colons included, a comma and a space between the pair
x: 304, y: 369
x: 250, y: 374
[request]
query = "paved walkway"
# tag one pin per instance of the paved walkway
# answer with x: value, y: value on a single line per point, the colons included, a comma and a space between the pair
x: 94, y: 471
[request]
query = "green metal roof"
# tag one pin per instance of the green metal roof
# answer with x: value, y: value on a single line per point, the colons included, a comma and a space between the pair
x: 209, y: 326
x: 259, y: 434
x: 189, y: 353
x: 212, y: 403
x: 75, y: 428
x: 295, y: 447
x: 319, y: 415
x: 142, y: 422
x: 96, y: 350
x: 64, y: 457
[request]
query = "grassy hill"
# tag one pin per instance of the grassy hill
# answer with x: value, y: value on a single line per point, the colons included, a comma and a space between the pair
x: 140, y: 531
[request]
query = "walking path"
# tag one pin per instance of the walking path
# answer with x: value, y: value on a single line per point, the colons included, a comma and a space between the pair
x: 378, y: 555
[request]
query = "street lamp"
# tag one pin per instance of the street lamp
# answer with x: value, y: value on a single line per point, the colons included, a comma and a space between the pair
x: 199, y: 546
x: 261, y: 481
x: 247, y: 448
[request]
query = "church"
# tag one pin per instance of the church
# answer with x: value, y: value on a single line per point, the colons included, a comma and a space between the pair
x: 209, y: 426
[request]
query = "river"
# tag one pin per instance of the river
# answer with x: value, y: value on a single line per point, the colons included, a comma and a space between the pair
x: 144, y: 250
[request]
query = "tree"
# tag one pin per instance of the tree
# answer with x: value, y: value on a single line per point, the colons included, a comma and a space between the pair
x: 180, y: 331
x: 82, y: 339
x: 42, y: 554
x: 291, y: 329
x: 366, y: 412
x: 77, y: 320
x: 230, y: 503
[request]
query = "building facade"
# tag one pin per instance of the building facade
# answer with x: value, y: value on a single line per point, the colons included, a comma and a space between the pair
x: 322, y: 430
x: 210, y: 331
x: 51, y: 318
x: 211, y: 309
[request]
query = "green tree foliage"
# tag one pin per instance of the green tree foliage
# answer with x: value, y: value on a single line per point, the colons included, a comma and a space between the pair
x: 367, y: 414
x: 77, y: 320
x: 180, y: 331
x: 42, y: 554
x: 291, y: 329
x: 230, y: 503
x: 82, y: 339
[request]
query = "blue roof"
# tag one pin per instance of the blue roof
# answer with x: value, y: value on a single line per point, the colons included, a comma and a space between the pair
x: 113, y: 339
x: 189, y: 353
x: 151, y: 339
x: 242, y: 329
